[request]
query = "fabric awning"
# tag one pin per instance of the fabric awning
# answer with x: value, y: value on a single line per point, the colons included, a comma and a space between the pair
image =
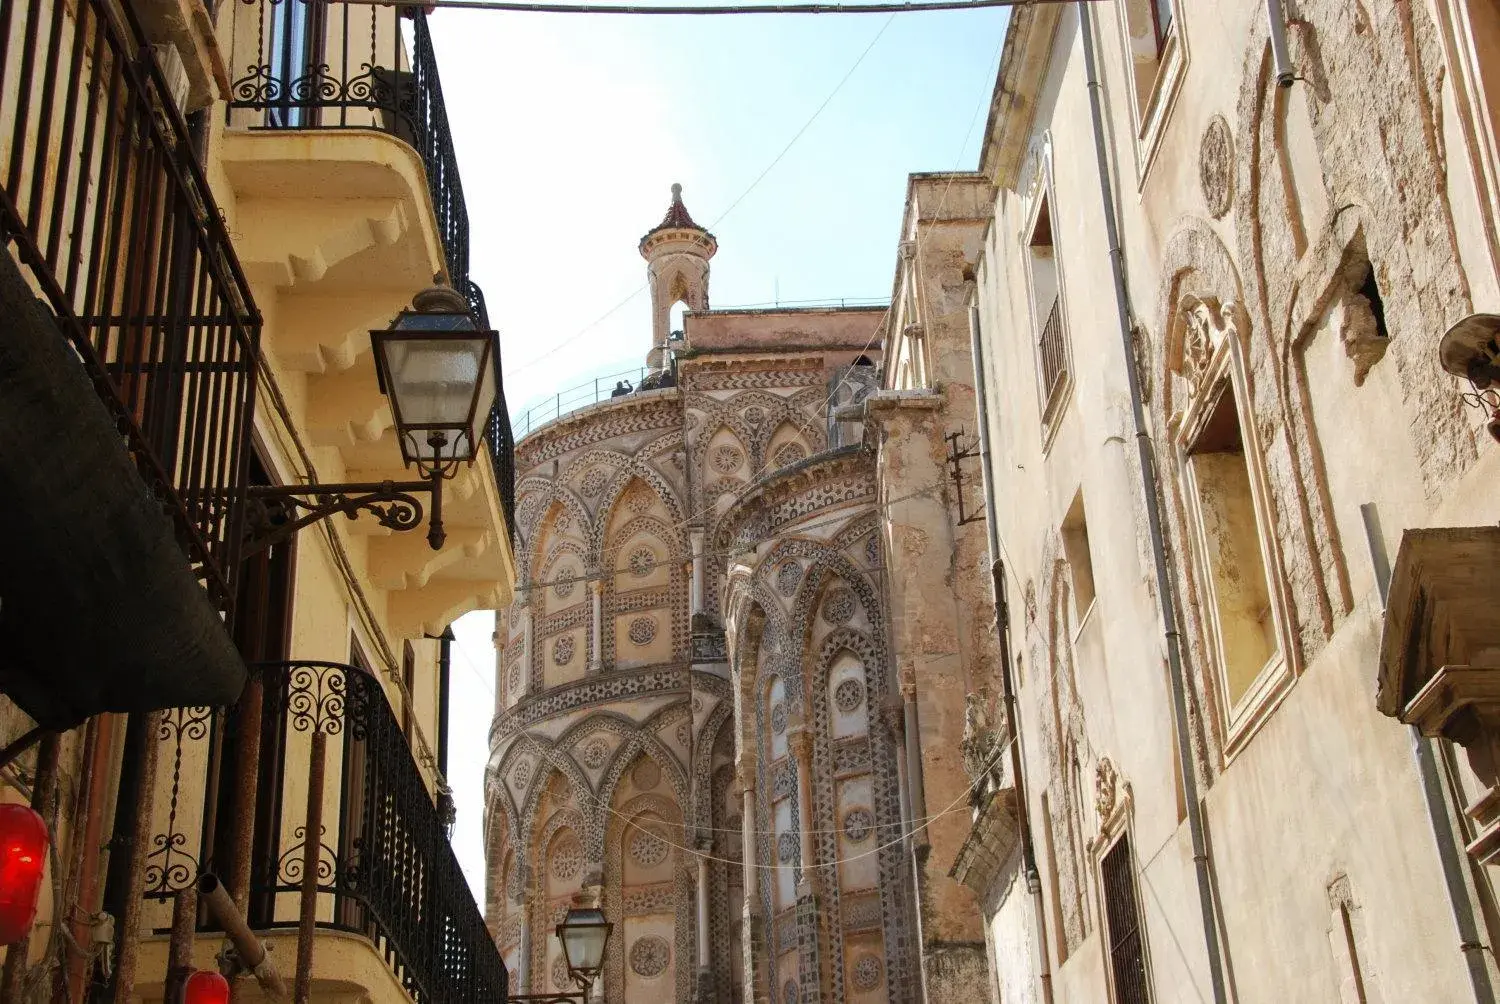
x: 99, y: 608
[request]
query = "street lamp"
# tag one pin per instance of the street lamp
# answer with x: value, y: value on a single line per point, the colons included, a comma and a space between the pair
x: 1471, y: 349
x: 441, y: 372
x: 583, y: 933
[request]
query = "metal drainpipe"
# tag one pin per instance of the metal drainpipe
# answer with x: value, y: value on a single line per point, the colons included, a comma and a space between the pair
x: 1007, y: 682
x: 1449, y: 855
x: 445, y: 695
x: 1276, y: 19
x: 1166, y: 593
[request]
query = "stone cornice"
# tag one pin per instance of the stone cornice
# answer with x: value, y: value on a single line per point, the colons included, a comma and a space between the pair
x: 1023, y: 66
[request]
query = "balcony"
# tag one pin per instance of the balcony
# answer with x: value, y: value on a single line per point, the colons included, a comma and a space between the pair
x: 146, y: 311
x: 343, y: 191
x: 391, y: 905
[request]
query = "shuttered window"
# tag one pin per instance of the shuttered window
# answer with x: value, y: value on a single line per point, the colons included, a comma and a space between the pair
x: 1127, y: 954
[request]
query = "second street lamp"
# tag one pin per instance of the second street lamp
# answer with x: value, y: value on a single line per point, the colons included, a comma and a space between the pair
x: 441, y: 372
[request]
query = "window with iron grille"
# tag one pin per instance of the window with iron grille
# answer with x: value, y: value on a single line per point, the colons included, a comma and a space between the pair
x: 1125, y: 940
x: 1046, y: 295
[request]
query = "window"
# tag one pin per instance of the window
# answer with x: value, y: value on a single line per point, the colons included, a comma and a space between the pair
x: 1156, y: 55
x: 1233, y: 552
x: 1075, y: 537
x: 1123, y: 935
x: 1231, y: 544
x: 1150, y: 25
x: 1046, y: 299
x: 1161, y: 18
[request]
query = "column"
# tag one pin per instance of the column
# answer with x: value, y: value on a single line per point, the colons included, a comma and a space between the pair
x: 800, y: 742
x: 523, y: 954
x: 703, y: 851
x: 596, y: 625
x: 747, y: 829
x: 529, y: 616
x: 703, y: 983
x: 695, y: 599
x: 501, y: 632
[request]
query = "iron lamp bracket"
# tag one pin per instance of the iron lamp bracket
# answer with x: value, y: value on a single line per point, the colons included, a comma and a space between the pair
x: 275, y: 512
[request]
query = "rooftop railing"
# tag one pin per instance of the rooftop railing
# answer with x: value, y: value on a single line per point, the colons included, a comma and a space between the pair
x: 565, y: 402
x: 114, y: 224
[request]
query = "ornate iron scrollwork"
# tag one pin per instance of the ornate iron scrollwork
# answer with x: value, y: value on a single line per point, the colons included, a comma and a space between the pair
x: 170, y: 866
x: 274, y: 513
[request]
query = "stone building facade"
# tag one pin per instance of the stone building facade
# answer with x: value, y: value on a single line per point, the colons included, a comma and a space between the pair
x: 695, y: 723
x: 1202, y: 483
x: 1121, y: 631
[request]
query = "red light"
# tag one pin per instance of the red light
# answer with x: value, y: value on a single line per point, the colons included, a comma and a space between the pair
x: 23, y: 860
x: 204, y: 987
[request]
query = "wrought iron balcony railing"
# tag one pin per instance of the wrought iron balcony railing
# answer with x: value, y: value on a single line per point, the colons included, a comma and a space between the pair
x: 382, y: 866
x: 1052, y: 351
x: 115, y: 226
x: 326, y: 64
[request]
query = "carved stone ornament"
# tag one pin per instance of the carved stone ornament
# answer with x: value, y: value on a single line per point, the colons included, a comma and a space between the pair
x: 639, y: 500
x: 789, y: 993
x: 849, y: 695
x: 567, y: 858
x: 647, y: 849
x: 649, y: 956
x: 646, y: 775
x: 565, y: 578
x: 595, y: 752
x: 778, y: 718
x: 788, y: 454
x: 641, y: 561
x: 1216, y: 166
x: 980, y: 746
x: 1106, y: 788
x: 787, y: 578
x: 839, y: 606
x: 593, y: 483
x: 726, y: 459
x: 786, y: 848
x: 642, y: 630
x: 867, y: 973
x: 858, y: 824
x: 560, y: 979
x: 1205, y: 324
x: 562, y: 650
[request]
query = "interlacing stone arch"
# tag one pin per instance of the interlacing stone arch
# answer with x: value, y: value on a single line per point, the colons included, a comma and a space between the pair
x: 568, y: 817
x: 703, y: 760
x: 670, y: 538
x: 559, y: 497
x: 684, y: 921
x: 643, y: 743
x: 637, y: 470
x: 548, y: 758
x: 607, y: 462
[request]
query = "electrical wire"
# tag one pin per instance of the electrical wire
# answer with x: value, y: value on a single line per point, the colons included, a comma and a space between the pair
x: 723, y: 215
x: 875, y: 7
x: 957, y: 805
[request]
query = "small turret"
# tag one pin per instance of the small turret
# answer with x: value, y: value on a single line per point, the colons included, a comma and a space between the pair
x: 677, y: 251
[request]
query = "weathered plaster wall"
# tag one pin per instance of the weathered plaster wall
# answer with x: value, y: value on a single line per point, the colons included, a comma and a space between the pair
x: 1248, y: 215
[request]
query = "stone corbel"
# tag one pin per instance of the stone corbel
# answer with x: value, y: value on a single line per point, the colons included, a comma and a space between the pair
x: 1462, y: 705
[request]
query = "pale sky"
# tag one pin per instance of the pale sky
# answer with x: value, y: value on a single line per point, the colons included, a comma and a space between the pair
x: 570, y: 131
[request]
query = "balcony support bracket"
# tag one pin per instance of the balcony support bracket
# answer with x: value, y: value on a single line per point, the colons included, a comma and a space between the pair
x: 276, y: 512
